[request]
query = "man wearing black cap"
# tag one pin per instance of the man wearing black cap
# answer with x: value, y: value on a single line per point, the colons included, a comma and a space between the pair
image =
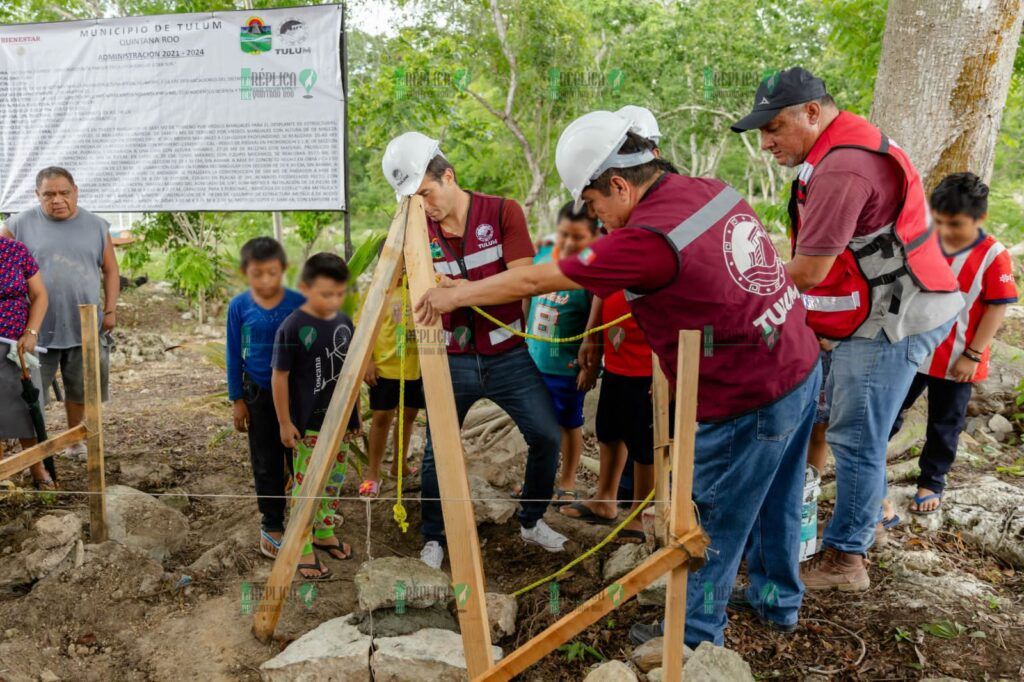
x: 874, y: 278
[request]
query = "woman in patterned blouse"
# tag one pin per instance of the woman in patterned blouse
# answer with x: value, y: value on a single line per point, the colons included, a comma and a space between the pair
x: 22, y: 307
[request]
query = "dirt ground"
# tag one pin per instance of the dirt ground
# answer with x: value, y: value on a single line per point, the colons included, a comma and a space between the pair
x: 117, y: 619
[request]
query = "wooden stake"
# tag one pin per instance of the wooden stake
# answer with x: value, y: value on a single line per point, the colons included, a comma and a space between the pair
x: 588, y: 613
x: 459, y: 522
x: 662, y: 451
x: 93, y: 422
x: 37, y: 453
x: 682, y: 519
x: 346, y: 393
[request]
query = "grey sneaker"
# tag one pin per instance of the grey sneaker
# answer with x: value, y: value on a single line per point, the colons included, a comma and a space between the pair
x: 432, y: 554
x: 543, y: 535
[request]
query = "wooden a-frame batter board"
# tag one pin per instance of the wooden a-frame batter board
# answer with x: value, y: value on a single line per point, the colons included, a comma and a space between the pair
x: 407, y: 246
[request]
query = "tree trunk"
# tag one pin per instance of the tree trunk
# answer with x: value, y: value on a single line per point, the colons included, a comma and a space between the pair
x: 942, y: 81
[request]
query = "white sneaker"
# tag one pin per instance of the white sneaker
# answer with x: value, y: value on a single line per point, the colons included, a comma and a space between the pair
x: 543, y: 535
x: 77, y: 452
x: 432, y: 554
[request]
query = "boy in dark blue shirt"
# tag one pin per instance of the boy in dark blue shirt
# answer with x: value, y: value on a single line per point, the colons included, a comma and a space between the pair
x: 253, y: 319
x: 309, y: 351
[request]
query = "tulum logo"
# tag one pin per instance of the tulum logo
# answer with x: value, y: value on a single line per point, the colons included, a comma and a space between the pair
x: 750, y: 256
x: 485, y: 232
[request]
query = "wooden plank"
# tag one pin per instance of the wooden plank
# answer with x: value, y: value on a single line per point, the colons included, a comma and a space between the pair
x: 346, y: 393
x: 662, y: 451
x: 588, y: 613
x: 682, y: 519
x: 93, y: 423
x: 37, y: 453
x: 459, y: 522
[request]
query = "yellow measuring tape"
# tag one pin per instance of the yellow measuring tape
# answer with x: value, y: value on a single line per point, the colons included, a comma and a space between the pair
x: 401, y: 515
x: 564, y: 339
x: 608, y: 538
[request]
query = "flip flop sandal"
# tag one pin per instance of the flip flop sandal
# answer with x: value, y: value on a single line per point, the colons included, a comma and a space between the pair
x: 585, y: 515
x: 325, y: 572
x: 369, y: 489
x: 921, y: 500
x: 342, y: 552
x: 276, y: 544
x: 628, y: 535
x: 516, y: 494
x: 411, y: 472
x: 44, y: 484
x: 890, y: 523
x: 559, y: 492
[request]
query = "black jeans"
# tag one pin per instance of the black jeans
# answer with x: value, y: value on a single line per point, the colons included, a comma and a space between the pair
x: 271, y: 461
x: 947, y: 408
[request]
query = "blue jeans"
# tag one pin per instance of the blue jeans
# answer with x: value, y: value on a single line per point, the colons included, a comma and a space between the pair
x: 869, y: 380
x: 513, y: 382
x: 748, y: 481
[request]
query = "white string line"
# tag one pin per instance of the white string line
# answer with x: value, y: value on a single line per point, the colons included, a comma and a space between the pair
x: 4, y: 493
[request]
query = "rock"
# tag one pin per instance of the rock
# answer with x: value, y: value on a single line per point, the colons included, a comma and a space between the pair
x: 388, y: 623
x: 710, y: 663
x: 146, y: 474
x: 434, y: 655
x: 654, y: 594
x: 647, y: 656
x: 215, y: 559
x: 986, y: 512
x: 654, y: 675
x: 998, y: 392
x: 490, y: 505
x: 175, y: 498
x: 501, y: 614
x: 42, y: 553
x: 1000, y: 426
x: 382, y: 581
x: 611, y: 671
x: 48, y: 676
x: 335, y: 650
x: 623, y: 560
x: 140, y: 521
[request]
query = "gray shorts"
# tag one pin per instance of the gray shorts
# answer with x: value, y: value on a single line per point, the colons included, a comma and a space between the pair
x: 15, y: 419
x: 69, y: 360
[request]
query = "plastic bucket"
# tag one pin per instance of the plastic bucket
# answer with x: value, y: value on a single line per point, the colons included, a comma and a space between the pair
x: 809, y: 514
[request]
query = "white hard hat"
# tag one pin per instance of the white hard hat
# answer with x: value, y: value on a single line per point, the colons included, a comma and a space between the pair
x: 644, y: 123
x: 589, y: 146
x: 405, y: 161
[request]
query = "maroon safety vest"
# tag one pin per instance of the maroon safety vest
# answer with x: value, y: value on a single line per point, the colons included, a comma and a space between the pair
x: 479, y: 256
x: 731, y: 286
x: 841, y: 303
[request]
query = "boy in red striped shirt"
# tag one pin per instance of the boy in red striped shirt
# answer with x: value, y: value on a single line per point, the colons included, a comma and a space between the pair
x: 959, y: 206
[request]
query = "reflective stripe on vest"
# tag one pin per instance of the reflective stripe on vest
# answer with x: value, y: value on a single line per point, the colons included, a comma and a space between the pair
x: 500, y: 334
x: 473, y: 261
x: 832, y: 304
x: 683, y: 234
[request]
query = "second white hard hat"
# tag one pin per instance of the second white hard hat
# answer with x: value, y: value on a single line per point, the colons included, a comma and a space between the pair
x: 405, y: 161
x: 589, y: 146
x: 644, y: 123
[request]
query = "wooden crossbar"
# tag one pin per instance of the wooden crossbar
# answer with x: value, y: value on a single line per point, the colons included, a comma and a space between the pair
x: 37, y: 453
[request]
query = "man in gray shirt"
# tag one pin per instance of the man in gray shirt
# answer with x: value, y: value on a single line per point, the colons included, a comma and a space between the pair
x: 74, y: 252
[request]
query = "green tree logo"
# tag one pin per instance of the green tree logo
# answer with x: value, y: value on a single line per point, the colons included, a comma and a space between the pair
x: 462, y: 592
x: 246, y: 600
x: 615, y: 592
x: 553, y: 601
x: 400, y: 83
x: 461, y: 78
x: 554, y: 78
x: 307, y: 593
x: 462, y: 337
x: 770, y: 78
x: 615, y: 78
x: 308, y: 79
x: 399, y: 597
x: 307, y: 335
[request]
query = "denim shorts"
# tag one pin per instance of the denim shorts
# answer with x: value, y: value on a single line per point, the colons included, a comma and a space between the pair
x: 567, y: 399
x: 825, y: 394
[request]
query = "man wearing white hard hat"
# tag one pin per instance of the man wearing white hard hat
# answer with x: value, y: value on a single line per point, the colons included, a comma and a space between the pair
x: 693, y: 255
x: 474, y: 236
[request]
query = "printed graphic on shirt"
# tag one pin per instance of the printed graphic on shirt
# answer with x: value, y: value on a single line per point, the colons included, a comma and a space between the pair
x: 587, y: 256
x: 750, y: 256
x: 435, y: 249
x: 335, y: 355
x: 545, y: 318
x: 485, y: 235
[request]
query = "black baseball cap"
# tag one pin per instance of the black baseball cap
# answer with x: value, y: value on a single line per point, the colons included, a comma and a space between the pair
x: 778, y: 91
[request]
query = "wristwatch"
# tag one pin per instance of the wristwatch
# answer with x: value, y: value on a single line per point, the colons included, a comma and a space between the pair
x: 33, y: 332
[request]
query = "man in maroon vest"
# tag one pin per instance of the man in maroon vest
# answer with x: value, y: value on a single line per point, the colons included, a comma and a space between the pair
x: 692, y: 254
x: 876, y: 282
x: 474, y: 236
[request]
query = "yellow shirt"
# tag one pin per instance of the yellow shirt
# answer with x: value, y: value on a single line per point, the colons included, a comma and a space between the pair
x: 385, y: 350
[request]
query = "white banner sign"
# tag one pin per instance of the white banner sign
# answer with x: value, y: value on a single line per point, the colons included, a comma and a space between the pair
x: 180, y: 112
